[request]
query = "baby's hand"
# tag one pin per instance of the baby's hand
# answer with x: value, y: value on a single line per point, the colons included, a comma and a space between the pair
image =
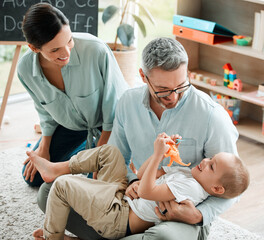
x: 161, y: 146
x: 175, y: 137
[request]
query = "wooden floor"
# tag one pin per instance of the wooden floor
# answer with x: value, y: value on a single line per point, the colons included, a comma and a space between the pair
x: 248, y: 212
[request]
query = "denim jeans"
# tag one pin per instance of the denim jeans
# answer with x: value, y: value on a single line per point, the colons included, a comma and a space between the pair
x: 64, y: 144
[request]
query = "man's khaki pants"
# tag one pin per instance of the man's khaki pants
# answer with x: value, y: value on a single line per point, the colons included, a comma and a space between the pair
x: 100, y: 202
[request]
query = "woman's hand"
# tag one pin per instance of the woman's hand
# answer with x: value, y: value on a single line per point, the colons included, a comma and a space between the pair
x: 30, y: 170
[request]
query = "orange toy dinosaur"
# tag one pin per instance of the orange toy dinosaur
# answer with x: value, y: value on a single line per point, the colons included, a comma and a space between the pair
x: 174, y: 155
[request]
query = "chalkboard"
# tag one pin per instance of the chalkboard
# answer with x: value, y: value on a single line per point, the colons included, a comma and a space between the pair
x: 82, y: 15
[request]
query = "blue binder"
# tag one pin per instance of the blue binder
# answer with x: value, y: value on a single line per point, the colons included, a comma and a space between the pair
x: 201, y: 25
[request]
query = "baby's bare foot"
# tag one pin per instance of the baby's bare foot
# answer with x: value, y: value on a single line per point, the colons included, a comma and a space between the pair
x: 38, y: 234
x: 45, y: 167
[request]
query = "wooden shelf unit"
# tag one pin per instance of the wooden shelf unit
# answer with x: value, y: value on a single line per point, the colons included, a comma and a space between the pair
x: 246, y: 126
x: 238, y: 16
x: 220, y: 88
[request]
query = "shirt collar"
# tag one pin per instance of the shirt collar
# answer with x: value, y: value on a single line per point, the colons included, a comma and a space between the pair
x: 36, y: 69
x: 145, y: 97
x: 74, y: 58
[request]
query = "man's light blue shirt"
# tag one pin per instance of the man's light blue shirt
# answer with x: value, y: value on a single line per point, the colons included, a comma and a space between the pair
x: 204, y: 124
x: 93, y: 85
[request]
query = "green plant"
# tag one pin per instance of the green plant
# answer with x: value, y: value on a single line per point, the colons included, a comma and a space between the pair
x: 125, y: 32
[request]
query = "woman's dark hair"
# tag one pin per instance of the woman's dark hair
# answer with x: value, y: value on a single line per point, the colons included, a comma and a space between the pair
x: 42, y: 22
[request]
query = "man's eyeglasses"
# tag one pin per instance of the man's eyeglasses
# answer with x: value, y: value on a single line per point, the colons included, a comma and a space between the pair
x: 167, y: 93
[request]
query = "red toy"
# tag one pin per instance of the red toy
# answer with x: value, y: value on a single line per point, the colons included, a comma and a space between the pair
x: 237, y: 85
x: 230, y: 78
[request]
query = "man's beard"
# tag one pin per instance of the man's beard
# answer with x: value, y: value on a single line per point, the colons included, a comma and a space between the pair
x: 158, y: 101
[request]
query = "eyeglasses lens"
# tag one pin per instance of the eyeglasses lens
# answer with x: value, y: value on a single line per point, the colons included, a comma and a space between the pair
x: 168, y: 93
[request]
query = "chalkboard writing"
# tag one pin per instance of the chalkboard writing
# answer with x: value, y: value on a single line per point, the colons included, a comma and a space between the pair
x: 82, y: 15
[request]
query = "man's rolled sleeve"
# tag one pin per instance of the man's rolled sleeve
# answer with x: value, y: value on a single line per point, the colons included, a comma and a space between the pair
x: 131, y: 176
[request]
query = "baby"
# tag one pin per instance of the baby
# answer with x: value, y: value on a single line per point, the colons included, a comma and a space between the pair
x: 102, y: 202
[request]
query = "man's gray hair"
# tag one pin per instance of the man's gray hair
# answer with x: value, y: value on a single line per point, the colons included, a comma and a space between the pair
x: 164, y: 53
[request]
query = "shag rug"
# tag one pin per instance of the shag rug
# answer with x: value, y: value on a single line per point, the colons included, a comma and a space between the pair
x: 20, y: 215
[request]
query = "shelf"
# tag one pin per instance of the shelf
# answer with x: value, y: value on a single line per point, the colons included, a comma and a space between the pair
x: 251, y: 129
x: 244, y: 50
x: 247, y: 88
x: 229, y: 46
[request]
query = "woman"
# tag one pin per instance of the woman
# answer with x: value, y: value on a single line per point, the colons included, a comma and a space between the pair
x: 75, y: 83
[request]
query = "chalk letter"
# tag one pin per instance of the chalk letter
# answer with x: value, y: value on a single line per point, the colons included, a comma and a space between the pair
x: 89, y: 4
x: 12, y: 21
x: 76, y: 20
x: 9, y: 1
x: 21, y: 4
x: 87, y: 26
x: 60, y: 4
x: 79, y: 5
x: 19, y: 25
x: 43, y: 1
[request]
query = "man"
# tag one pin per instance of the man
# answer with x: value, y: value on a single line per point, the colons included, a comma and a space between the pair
x: 167, y: 103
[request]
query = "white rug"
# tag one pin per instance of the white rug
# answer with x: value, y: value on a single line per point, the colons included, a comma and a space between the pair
x: 20, y: 215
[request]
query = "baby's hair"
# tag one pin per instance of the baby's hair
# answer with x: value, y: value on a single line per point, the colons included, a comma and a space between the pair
x: 235, y: 181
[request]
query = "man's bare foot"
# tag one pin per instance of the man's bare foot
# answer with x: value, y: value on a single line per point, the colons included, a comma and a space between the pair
x: 46, y: 168
x: 38, y: 234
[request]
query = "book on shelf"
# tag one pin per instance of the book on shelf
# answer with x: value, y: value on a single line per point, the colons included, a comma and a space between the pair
x: 199, y: 36
x: 255, y: 41
x: 261, y: 33
x: 258, y: 35
x: 201, y: 25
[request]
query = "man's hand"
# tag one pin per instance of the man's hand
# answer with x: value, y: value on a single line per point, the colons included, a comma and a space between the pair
x: 131, y: 190
x: 184, y: 211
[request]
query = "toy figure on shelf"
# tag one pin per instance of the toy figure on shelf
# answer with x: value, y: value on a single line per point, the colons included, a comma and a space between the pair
x: 242, y: 40
x: 230, y: 78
